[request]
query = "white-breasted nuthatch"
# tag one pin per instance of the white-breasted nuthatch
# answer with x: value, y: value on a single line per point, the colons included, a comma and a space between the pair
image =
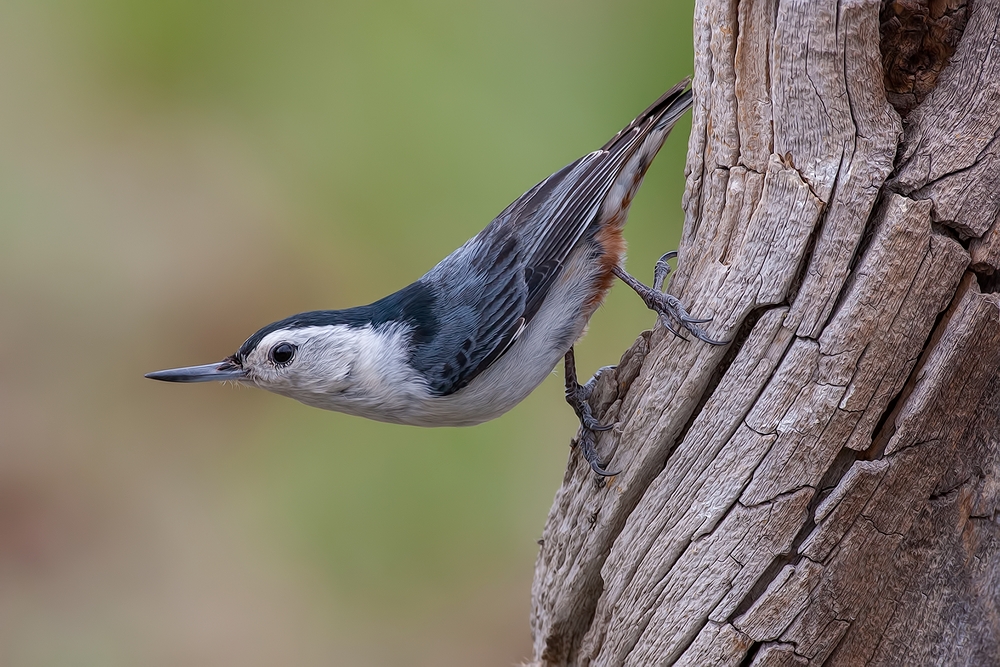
x: 475, y: 335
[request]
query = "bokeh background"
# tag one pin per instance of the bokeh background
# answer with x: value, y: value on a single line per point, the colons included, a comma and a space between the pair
x: 175, y: 174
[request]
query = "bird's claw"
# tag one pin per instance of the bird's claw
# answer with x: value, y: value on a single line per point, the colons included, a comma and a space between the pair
x: 578, y: 396
x: 667, y: 306
x: 587, y: 443
x: 671, y: 329
x: 670, y: 309
x: 662, y: 270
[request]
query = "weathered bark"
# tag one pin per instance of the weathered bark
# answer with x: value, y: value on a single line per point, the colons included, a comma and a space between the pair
x: 826, y: 489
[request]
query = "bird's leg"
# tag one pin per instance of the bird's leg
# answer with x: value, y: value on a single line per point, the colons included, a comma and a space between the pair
x: 668, y: 307
x: 577, y: 396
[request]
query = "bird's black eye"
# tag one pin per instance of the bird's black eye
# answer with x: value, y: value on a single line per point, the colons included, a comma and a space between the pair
x: 282, y: 353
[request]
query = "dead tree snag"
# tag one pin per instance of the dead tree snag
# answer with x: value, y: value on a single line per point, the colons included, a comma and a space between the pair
x: 826, y: 490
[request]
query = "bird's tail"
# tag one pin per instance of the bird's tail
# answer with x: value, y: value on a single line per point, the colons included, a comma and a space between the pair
x: 661, y: 114
x: 637, y: 144
x: 645, y: 135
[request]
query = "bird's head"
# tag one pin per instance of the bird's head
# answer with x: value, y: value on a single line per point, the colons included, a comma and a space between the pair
x: 291, y: 357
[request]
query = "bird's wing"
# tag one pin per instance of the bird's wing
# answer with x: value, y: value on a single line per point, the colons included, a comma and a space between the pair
x: 490, y: 288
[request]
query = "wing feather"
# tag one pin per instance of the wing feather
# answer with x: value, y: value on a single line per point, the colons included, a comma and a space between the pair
x: 491, y: 287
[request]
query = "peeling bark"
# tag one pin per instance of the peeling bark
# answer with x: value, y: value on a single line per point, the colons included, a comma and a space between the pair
x: 825, y: 490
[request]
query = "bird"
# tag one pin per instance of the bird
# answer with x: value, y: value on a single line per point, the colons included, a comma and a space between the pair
x: 484, y: 327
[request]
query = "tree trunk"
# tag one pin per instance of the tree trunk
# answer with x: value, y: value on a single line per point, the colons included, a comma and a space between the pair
x: 824, y: 490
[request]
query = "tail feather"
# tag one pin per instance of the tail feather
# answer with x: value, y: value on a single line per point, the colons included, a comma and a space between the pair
x: 650, y: 128
x: 664, y: 112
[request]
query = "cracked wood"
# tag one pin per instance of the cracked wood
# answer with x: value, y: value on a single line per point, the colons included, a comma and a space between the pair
x: 827, y: 489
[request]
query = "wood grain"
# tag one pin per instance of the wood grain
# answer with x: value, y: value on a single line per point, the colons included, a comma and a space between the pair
x: 824, y: 490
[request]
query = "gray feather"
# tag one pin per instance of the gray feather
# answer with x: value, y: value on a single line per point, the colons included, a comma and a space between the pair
x: 489, y: 290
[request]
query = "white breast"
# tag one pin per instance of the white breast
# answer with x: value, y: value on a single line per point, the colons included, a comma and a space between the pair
x: 556, y: 326
x: 374, y: 379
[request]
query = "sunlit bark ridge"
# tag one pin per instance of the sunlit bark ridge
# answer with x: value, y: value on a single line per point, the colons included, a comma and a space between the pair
x: 824, y: 490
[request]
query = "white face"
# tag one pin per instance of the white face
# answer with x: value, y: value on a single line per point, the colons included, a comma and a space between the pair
x: 310, y: 360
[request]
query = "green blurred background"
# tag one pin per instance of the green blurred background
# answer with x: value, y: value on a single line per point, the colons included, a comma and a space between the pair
x: 174, y: 175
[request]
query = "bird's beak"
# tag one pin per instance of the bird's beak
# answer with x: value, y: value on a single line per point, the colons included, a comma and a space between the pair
x: 219, y: 371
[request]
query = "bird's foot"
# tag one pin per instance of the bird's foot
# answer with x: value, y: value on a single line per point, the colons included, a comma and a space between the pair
x: 578, y: 396
x: 668, y: 307
x: 587, y: 443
